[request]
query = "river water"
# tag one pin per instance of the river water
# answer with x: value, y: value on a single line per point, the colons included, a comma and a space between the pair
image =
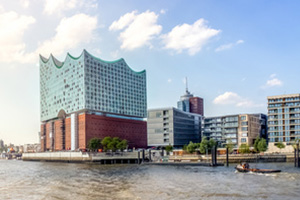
x: 47, y: 180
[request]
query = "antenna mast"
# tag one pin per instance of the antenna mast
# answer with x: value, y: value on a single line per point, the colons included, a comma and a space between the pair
x: 186, y: 85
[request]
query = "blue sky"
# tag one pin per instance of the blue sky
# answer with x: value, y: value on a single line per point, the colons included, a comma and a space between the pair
x: 234, y: 53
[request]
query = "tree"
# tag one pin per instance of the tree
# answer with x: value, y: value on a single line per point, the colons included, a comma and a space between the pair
x: 94, y: 144
x: 184, y: 148
x: 280, y: 145
x: 191, y: 147
x: 169, y: 148
x: 211, y: 143
x: 255, y: 145
x: 244, y: 148
x: 230, y: 146
x: 122, y: 145
x: 262, y: 145
x: 204, y: 145
x: 105, y: 142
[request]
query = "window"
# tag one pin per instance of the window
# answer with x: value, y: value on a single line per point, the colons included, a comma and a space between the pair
x: 243, y: 118
x: 243, y: 140
x: 244, y: 123
x: 244, y: 128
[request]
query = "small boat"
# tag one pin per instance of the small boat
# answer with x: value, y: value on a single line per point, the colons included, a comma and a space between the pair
x: 244, y: 167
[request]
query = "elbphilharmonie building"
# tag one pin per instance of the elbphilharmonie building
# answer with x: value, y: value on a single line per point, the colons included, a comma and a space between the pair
x: 85, y: 97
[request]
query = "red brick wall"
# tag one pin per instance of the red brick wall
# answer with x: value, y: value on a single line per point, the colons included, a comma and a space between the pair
x: 68, y: 132
x: 82, y: 131
x: 47, y: 136
x: 135, y: 132
x: 58, y: 140
x: 43, y: 135
x: 89, y: 126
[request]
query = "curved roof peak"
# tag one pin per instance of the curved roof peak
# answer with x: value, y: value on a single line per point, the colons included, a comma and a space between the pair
x: 59, y: 64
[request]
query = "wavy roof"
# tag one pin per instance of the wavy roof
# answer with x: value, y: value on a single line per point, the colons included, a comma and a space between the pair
x: 60, y: 64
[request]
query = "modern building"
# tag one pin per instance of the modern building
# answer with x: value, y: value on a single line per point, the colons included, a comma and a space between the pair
x: 236, y: 129
x: 85, y: 97
x: 171, y: 126
x: 189, y: 103
x: 283, y: 120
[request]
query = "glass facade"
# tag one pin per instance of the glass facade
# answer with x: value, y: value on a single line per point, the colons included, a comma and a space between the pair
x: 89, y: 83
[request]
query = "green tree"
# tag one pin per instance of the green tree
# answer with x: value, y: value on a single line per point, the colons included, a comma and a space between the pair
x: 94, y: 144
x: 280, y: 145
x: 169, y: 148
x: 184, y: 148
x: 211, y: 143
x: 191, y: 148
x: 262, y: 145
x: 244, y: 148
x: 105, y: 142
x: 122, y: 145
x: 255, y: 145
x: 204, y: 145
x: 113, y: 144
x: 230, y: 146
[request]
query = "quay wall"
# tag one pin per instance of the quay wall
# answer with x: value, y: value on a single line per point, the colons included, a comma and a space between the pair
x: 81, y: 157
x: 250, y: 158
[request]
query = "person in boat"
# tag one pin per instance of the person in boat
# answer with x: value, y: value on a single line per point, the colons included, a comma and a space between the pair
x: 245, y: 165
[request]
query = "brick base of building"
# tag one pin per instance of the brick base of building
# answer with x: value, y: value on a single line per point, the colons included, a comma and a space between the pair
x: 56, y: 134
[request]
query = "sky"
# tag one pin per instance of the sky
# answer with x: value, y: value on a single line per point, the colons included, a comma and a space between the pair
x: 234, y: 53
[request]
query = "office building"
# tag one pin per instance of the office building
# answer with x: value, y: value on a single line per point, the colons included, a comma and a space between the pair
x: 171, y: 126
x: 85, y: 97
x: 236, y: 129
x: 189, y: 103
x: 283, y: 120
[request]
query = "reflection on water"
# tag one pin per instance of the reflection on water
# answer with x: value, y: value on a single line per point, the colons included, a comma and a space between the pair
x: 44, y: 180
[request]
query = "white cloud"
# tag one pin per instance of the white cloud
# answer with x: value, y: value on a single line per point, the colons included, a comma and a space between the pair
x: 272, y: 82
x: 189, y: 37
x: 70, y: 33
x: 231, y: 98
x: 24, y: 3
x: 57, y: 6
x: 169, y: 80
x: 140, y: 29
x: 162, y: 11
x: 124, y: 21
x: 13, y: 27
x: 229, y: 46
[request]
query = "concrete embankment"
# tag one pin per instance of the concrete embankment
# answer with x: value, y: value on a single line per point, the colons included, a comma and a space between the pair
x: 102, y: 158
x: 237, y: 158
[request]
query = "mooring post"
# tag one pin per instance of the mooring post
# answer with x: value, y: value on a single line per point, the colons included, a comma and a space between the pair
x: 143, y: 156
x: 298, y: 155
x: 139, y: 157
x: 216, y: 158
x: 295, y: 157
x: 213, y: 156
x: 227, y: 157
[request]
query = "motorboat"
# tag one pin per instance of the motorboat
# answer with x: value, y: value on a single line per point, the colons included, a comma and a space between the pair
x: 244, y: 167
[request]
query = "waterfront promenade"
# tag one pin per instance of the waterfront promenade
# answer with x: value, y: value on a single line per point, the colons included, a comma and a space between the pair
x: 156, y: 157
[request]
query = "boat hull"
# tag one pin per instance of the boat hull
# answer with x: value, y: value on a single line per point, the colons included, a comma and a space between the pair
x: 263, y: 171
